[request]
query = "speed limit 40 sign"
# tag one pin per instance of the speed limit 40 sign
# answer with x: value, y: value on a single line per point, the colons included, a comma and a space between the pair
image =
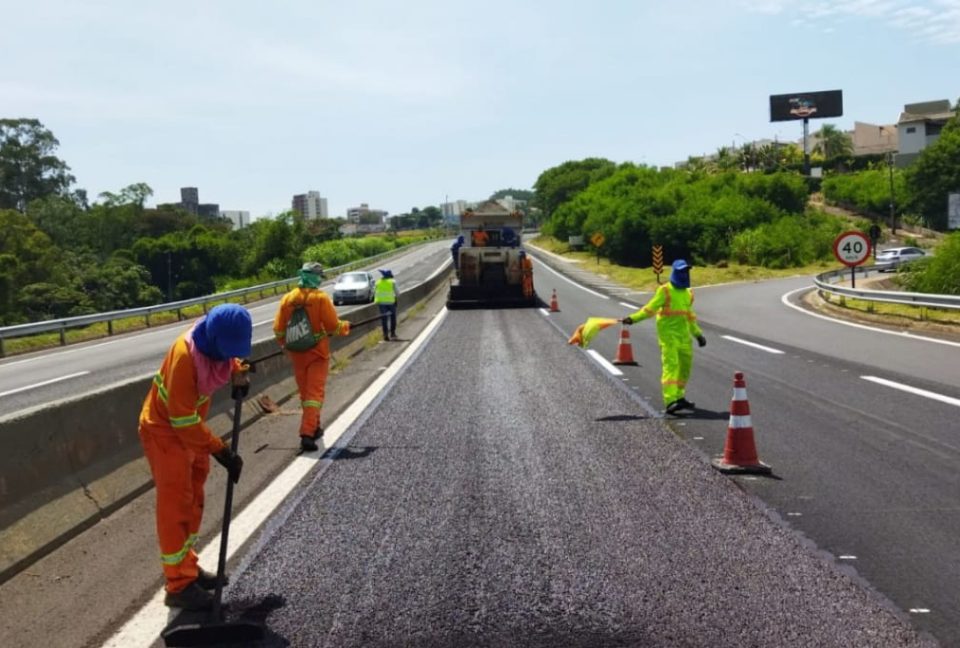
x: 851, y: 248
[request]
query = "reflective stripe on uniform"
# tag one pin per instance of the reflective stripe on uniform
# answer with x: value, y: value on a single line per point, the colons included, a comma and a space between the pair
x: 311, y: 403
x: 161, y: 390
x: 177, y: 557
x: 678, y: 383
x: 184, y: 421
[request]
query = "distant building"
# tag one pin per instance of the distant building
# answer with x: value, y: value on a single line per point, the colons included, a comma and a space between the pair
x: 363, y: 215
x: 919, y: 126
x: 240, y: 219
x: 452, y: 210
x: 871, y: 139
x: 511, y: 204
x: 310, y: 205
x: 190, y: 202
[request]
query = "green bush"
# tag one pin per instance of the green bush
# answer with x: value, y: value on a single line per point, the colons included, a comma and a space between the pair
x: 787, y: 242
x: 867, y: 191
x: 938, y: 274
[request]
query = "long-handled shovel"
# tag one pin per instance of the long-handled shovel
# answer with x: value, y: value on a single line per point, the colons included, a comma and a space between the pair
x: 216, y: 630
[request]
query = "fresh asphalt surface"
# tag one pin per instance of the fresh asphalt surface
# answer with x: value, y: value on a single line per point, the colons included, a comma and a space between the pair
x: 531, y: 500
x: 47, y: 376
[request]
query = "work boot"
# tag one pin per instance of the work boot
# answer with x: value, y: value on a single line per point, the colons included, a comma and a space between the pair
x: 683, y: 403
x: 193, y: 597
x: 674, y: 407
x: 308, y: 444
x: 208, y: 581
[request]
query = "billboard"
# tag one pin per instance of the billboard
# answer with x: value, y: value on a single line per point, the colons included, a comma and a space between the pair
x: 806, y: 105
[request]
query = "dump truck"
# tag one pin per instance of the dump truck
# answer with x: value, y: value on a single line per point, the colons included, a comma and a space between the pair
x: 491, y: 264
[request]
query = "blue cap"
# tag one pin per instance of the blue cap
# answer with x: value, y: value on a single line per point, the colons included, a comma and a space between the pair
x: 680, y: 264
x: 230, y: 330
x: 387, y: 274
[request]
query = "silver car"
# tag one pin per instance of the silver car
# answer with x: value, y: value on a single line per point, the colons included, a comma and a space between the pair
x: 891, y: 258
x: 354, y: 288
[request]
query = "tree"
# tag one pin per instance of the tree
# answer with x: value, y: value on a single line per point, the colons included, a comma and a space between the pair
x: 559, y: 184
x: 28, y: 167
x: 517, y: 194
x: 832, y: 142
x: 934, y: 175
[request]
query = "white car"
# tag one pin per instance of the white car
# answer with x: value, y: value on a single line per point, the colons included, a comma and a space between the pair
x: 891, y: 258
x: 354, y: 288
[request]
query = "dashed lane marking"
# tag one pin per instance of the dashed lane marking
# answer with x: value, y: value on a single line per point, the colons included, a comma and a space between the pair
x: 949, y: 400
x: 752, y: 344
x: 630, y: 306
x: 603, y: 362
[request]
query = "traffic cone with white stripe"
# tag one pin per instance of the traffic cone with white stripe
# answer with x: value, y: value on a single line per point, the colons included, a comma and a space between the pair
x: 554, y: 306
x: 740, y: 451
x: 624, y: 349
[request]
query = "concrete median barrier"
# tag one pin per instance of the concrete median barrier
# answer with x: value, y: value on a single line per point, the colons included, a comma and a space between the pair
x: 67, y: 464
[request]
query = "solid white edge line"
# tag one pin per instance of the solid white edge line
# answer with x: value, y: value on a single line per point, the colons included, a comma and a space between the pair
x: 949, y: 400
x: 603, y: 362
x: 752, y: 344
x: 44, y: 383
x: 785, y: 298
x: 144, y: 628
x: 574, y: 283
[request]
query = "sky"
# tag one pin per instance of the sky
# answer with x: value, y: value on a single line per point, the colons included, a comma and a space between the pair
x: 403, y: 104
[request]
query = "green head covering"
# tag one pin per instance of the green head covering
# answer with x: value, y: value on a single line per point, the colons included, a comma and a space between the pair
x: 311, y: 274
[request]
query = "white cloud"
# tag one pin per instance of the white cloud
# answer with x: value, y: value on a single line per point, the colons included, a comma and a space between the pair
x: 936, y: 21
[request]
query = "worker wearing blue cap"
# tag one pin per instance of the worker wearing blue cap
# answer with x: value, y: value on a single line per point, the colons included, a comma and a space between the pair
x: 676, y: 326
x: 385, y: 295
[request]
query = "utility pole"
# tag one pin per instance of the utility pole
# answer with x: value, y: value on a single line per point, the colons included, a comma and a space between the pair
x: 893, y: 209
x: 169, y: 279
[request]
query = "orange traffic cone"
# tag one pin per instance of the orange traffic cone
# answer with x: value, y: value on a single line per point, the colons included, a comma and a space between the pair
x: 554, y: 306
x: 740, y: 452
x: 624, y: 349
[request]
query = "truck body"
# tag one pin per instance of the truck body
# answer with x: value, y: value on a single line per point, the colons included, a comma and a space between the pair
x: 490, y: 266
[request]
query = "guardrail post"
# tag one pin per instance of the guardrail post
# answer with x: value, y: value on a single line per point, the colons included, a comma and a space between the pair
x: 204, y: 308
x: 63, y: 336
x: 2, y: 353
x: 179, y: 316
x: 109, y: 327
x: 147, y: 318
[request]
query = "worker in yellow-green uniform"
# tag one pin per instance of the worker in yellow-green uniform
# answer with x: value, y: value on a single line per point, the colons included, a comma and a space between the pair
x: 385, y: 295
x: 676, y: 326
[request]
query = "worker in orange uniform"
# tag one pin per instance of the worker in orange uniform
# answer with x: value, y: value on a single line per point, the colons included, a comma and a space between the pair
x: 178, y: 444
x: 672, y: 305
x: 526, y: 274
x: 309, y: 309
x: 480, y: 237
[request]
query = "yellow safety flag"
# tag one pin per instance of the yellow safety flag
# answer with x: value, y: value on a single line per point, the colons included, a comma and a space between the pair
x: 589, y: 329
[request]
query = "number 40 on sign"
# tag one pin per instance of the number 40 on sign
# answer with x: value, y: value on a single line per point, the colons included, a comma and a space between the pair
x: 852, y: 249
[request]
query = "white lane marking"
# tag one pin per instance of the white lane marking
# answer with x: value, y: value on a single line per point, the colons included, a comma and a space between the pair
x: 919, y: 610
x: 574, y: 283
x: 752, y: 344
x: 847, y: 557
x: 914, y: 390
x: 545, y: 312
x: 785, y: 298
x: 44, y: 383
x: 630, y: 306
x: 144, y: 628
x: 603, y: 362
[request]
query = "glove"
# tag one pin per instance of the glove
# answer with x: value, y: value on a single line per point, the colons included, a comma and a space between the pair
x: 701, y: 341
x: 345, y: 331
x: 626, y: 320
x: 231, y: 461
x: 240, y: 381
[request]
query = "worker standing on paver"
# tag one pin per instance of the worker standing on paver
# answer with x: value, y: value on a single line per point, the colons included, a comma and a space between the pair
x: 385, y: 296
x: 455, y: 251
x: 178, y: 444
x: 303, y: 325
x: 676, y: 325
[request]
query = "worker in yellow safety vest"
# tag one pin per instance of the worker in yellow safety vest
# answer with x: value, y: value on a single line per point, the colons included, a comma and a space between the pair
x: 676, y: 325
x: 385, y: 295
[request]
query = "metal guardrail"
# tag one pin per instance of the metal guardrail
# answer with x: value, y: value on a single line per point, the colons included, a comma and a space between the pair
x: 826, y: 282
x: 63, y: 324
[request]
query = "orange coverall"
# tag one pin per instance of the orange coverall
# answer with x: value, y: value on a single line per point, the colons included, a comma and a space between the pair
x: 178, y: 445
x: 526, y: 276
x: 310, y: 368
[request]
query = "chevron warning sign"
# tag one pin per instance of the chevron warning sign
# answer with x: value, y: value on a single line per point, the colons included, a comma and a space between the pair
x: 657, y: 261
